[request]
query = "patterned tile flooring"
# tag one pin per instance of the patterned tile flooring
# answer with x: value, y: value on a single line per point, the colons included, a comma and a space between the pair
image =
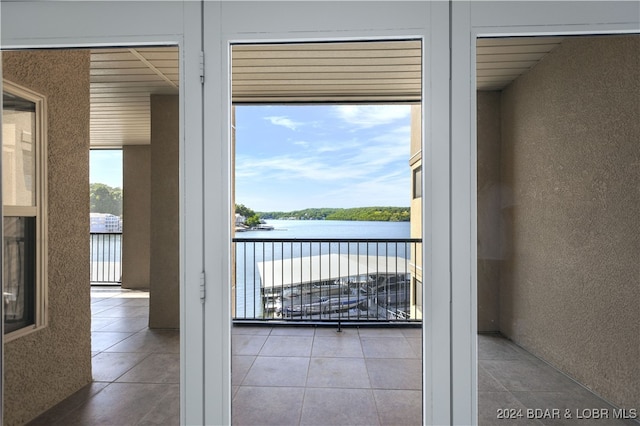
x: 299, y: 376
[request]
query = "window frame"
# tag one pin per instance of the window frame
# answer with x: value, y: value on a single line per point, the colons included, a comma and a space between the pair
x: 39, y: 210
x: 416, y: 182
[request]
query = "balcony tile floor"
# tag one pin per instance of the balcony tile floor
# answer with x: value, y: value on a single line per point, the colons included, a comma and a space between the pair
x: 298, y: 375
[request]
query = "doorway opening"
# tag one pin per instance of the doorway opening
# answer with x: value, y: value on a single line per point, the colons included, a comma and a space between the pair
x: 105, y: 192
x: 110, y: 340
x: 327, y: 230
x: 557, y: 121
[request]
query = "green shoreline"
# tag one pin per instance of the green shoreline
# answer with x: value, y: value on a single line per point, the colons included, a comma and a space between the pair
x: 377, y: 214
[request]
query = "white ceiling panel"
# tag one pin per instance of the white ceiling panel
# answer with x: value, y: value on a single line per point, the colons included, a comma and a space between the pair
x: 122, y: 79
x: 499, y: 61
x: 121, y: 82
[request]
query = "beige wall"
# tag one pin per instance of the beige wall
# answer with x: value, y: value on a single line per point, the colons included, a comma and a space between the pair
x: 136, y: 208
x: 489, y: 216
x: 571, y: 163
x: 48, y: 365
x: 164, y: 303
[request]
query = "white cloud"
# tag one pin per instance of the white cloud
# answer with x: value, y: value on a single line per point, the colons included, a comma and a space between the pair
x: 359, y: 156
x: 392, y: 189
x: 286, y: 168
x: 365, y: 116
x: 304, y: 144
x: 350, y: 160
x: 283, y: 121
x: 335, y: 146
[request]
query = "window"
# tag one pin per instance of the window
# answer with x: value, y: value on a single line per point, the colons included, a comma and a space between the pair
x: 417, y: 182
x: 24, y: 210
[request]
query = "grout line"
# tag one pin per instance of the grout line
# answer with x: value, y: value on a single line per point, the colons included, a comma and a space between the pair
x: 306, y: 378
x: 132, y: 367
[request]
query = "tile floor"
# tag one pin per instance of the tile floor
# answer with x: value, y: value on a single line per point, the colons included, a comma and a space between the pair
x: 298, y: 376
x: 317, y: 376
x: 136, y: 371
x: 510, y: 377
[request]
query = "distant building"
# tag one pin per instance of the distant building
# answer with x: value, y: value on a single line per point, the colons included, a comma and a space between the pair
x: 105, y: 222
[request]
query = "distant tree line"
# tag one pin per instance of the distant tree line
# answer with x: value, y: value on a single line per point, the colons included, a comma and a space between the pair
x: 105, y: 199
x: 251, y: 218
x: 380, y: 214
x: 306, y: 214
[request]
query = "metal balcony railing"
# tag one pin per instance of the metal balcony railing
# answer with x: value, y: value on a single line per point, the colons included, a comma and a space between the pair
x: 106, y: 257
x: 326, y: 280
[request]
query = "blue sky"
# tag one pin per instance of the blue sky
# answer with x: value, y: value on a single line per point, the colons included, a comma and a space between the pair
x: 295, y: 157
x: 105, y: 166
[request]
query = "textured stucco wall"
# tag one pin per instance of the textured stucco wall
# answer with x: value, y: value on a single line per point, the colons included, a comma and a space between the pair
x: 164, y: 303
x: 571, y: 161
x: 48, y: 365
x: 489, y: 211
x: 136, y: 206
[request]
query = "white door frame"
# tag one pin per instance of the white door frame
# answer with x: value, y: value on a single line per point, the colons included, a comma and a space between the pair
x: 307, y: 21
x: 32, y: 25
x: 471, y: 20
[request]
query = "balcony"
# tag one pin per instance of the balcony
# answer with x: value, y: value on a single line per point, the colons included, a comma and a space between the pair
x: 106, y: 257
x: 298, y: 375
x: 296, y: 360
x: 327, y: 280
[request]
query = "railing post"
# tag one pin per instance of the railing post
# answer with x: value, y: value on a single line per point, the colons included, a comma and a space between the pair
x: 106, y: 257
x: 312, y: 286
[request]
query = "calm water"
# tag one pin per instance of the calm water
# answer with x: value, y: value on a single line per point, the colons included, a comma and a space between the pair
x: 248, y: 255
x: 330, y: 229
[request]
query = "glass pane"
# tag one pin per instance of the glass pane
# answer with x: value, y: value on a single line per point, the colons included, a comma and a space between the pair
x: 18, y: 150
x: 19, y: 272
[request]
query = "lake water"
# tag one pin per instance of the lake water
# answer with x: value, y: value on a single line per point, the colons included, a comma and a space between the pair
x: 330, y: 229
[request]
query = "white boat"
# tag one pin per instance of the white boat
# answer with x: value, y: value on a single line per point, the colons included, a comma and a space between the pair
x: 393, y: 294
x: 263, y: 227
x: 324, y: 275
x: 326, y: 305
x: 272, y: 304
